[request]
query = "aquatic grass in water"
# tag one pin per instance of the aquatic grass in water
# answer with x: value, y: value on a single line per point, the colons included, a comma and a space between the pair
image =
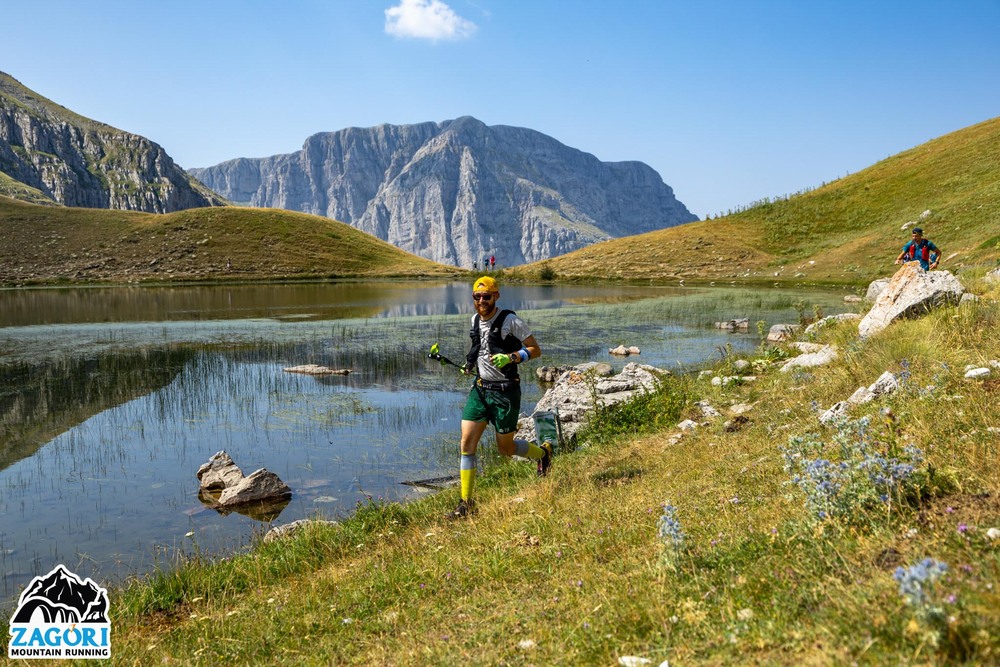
x: 124, y: 477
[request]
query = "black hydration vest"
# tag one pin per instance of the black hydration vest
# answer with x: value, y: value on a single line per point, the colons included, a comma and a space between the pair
x: 496, y: 344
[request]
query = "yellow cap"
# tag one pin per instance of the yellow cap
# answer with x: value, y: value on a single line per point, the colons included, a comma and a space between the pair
x: 485, y: 284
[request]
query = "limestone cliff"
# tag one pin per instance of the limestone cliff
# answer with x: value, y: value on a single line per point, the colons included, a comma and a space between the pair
x: 457, y: 191
x: 47, y: 152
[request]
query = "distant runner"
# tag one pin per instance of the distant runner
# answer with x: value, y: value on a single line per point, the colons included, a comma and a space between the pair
x: 920, y: 249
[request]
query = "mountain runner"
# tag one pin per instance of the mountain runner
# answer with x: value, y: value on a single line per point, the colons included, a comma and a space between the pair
x: 500, y: 342
x: 920, y: 249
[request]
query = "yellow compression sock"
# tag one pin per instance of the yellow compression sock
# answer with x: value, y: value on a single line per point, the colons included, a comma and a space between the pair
x: 467, y: 475
x: 528, y: 449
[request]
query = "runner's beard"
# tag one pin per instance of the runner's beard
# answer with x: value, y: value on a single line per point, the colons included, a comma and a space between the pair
x: 485, y: 308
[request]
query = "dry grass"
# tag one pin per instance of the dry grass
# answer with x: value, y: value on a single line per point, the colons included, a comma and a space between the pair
x: 58, y: 244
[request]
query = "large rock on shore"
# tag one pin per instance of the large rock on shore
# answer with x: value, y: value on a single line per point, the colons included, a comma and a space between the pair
x: 911, y: 293
x: 574, y: 393
x: 875, y: 288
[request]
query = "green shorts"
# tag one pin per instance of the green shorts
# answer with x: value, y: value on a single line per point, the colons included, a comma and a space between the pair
x: 500, y: 408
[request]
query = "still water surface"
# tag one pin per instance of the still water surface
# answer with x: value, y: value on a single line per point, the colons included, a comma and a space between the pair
x: 110, y: 399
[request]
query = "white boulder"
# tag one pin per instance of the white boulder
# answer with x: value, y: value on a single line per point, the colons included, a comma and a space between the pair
x: 824, y: 355
x: 910, y: 293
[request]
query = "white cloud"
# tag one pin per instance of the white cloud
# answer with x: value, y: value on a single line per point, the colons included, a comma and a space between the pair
x: 426, y: 19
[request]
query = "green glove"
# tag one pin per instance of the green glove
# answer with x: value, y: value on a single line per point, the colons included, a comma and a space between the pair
x: 501, y: 360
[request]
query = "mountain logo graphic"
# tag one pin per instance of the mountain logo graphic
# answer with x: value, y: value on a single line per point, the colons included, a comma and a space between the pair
x: 61, y: 616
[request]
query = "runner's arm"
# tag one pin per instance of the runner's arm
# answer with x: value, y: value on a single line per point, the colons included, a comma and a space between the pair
x: 532, y: 348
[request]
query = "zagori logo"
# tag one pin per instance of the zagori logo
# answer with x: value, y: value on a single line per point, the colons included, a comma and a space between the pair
x: 60, y: 616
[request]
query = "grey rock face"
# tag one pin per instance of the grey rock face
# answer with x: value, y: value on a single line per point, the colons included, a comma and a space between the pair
x: 75, y: 161
x: 262, y: 484
x: 911, y: 293
x: 218, y: 473
x: 457, y: 191
x: 780, y: 332
x: 820, y: 357
x: 885, y: 384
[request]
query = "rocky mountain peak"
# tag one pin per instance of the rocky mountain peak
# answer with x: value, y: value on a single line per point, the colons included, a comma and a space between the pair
x: 48, y: 154
x: 457, y: 191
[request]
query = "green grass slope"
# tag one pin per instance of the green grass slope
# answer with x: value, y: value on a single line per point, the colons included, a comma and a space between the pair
x: 759, y: 562
x: 15, y: 189
x: 848, y: 231
x: 54, y: 244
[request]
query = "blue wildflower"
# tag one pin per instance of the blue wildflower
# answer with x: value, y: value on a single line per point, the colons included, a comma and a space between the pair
x: 916, y: 579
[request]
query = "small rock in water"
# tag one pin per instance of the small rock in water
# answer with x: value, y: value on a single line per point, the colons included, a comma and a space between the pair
x: 313, y: 369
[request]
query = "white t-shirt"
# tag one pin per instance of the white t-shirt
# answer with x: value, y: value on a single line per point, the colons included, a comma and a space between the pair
x: 512, y: 325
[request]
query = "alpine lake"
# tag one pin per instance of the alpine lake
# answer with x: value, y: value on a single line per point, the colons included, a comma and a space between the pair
x: 111, y: 399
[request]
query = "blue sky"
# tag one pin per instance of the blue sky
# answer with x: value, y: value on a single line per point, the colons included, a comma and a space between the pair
x: 729, y: 100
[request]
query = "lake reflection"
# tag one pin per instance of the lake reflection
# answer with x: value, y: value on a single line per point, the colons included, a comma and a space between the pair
x: 110, y: 400
x: 314, y: 301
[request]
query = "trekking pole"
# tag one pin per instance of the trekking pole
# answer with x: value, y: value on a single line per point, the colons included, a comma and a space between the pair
x: 436, y: 355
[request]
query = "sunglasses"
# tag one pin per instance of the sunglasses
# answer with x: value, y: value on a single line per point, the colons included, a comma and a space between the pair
x: 482, y: 297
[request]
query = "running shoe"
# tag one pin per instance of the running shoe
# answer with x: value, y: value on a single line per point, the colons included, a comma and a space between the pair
x: 464, y: 509
x: 545, y: 462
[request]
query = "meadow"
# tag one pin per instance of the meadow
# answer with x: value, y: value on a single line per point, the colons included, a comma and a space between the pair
x: 783, y: 541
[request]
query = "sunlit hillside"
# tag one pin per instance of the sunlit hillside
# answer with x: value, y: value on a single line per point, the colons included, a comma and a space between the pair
x: 43, y: 244
x: 846, y: 231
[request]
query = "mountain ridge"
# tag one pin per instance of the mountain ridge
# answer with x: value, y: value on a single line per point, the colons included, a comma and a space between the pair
x: 50, y: 154
x: 457, y: 190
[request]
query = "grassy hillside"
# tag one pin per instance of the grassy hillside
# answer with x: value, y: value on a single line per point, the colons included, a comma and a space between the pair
x: 847, y: 231
x: 47, y: 244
